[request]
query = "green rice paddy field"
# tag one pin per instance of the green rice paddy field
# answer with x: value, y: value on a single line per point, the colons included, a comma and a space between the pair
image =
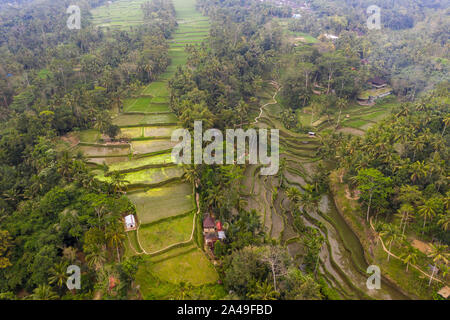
x: 148, y: 176
x: 165, y: 213
x: 149, y: 146
x: 161, y: 159
x: 164, y: 202
x: 162, y: 234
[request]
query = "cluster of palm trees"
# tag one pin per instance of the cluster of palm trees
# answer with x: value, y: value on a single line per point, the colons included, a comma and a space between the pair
x: 438, y: 253
x: 308, y: 199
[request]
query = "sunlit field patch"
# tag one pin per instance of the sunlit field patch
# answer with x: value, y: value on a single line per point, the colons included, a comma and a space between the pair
x: 157, y: 236
x: 131, y: 132
x: 108, y: 161
x: 157, y: 89
x: 89, y: 136
x: 129, y: 120
x: 148, y: 176
x: 159, y: 203
x: 119, y: 14
x: 150, y: 146
x: 191, y: 266
x: 160, y: 159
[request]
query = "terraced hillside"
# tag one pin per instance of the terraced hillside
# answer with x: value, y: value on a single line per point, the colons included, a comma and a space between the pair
x: 166, y: 205
x: 342, y: 262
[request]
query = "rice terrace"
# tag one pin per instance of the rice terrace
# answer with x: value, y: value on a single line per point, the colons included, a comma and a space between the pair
x: 166, y: 207
x: 232, y: 150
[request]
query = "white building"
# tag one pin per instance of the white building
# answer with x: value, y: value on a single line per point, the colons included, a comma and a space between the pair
x: 130, y: 222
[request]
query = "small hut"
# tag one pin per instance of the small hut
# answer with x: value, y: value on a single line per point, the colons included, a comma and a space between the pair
x: 209, y: 224
x: 444, y: 292
x: 130, y: 223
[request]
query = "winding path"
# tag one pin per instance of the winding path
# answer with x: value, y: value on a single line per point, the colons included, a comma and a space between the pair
x: 398, y: 258
x: 274, y: 101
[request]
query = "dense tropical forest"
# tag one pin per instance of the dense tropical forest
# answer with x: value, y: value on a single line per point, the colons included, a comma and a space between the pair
x: 87, y: 115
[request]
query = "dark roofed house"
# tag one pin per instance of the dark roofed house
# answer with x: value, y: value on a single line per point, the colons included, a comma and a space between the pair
x: 212, y: 232
x: 377, y: 82
x: 209, y: 224
x: 210, y: 239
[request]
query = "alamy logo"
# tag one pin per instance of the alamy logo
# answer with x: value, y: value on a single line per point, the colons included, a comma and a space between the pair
x: 74, y: 20
x: 374, y: 281
x: 74, y: 280
x: 374, y: 20
x: 235, y: 140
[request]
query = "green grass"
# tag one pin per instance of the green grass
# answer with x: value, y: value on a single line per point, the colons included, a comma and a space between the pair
x: 157, y: 89
x: 192, y: 267
x: 153, y: 175
x: 165, y: 202
x: 131, y: 240
x: 147, y: 176
x: 127, y: 120
x: 160, y: 235
x: 154, y: 286
x: 89, y: 136
x: 119, y: 14
x: 147, y: 104
x: 354, y: 123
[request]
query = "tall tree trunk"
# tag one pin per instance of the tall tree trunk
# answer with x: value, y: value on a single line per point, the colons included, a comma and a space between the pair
x: 423, y: 227
x: 406, y: 221
x: 389, y: 253
x: 368, y: 207
x: 274, y: 278
x: 432, y: 275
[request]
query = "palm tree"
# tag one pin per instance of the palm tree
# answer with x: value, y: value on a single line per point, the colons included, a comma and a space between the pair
x: 192, y: 174
x: 409, y: 258
x: 58, y: 274
x: 427, y: 211
x: 293, y: 194
x: 116, y: 236
x: 405, y: 211
x: 102, y: 121
x: 65, y: 164
x: 118, y: 182
x: 420, y: 170
x: 341, y: 104
x: 44, y: 292
x: 392, y: 234
x: 70, y: 254
x: 264, y: 291
x: 309, y: 199
x: 444, y: 221
x: 439, y: 253
x: 446, y: 122
x: 96, y: 258
x: 242, y: 110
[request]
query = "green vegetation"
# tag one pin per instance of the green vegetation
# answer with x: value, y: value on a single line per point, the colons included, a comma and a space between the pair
x: 159, y: 235
x: 87, y: 118
x: 164, y: 202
